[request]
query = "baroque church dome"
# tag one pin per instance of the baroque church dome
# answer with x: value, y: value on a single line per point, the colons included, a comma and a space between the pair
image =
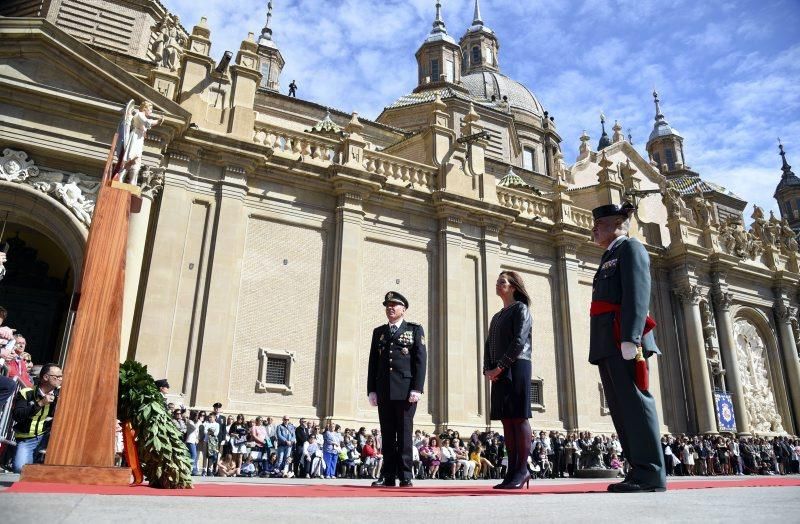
x: 483, y: 85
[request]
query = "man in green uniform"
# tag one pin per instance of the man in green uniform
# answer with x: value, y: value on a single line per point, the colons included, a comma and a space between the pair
x: 620, y: 302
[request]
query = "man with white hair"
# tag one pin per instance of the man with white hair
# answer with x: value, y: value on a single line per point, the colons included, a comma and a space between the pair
x: 620, y: 339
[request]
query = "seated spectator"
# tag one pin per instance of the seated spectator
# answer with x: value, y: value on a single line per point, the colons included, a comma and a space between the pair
x: 226, y: 466
x: 449, y: 461
x: 312, y: 457
x: 615, y: 463
x: 272, y: 467
x: 247, y: 469
x: 482, y: 464
x: 371, y: 458
x: 33, y: 412
x: 465, y: 466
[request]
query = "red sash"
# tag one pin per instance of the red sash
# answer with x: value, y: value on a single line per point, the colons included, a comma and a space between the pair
x: 600, y: 307
x: 641, y: 377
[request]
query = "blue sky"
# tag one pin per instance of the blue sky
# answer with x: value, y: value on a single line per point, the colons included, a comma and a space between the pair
x: 727, y: 71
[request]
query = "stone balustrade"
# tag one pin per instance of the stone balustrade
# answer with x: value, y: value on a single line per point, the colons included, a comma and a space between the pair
x: 313, y: 148
x: 528, y: 204
x: 399, y: 171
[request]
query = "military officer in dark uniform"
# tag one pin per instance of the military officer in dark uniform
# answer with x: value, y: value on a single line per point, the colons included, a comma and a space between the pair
x: 396, y: 376
x: 619, y: 330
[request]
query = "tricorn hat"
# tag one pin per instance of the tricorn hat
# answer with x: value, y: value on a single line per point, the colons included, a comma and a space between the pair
x: 610, y: 210
x: 394, y: 296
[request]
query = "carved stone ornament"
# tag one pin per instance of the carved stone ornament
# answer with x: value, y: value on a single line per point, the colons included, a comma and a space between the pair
x: 723, y: 300
x: 15, y: 166
x: 689, y: 294
x: 76, y: 191
x: 782, y: 311
x: 754, y: 371
x: 168, y: 43
x: 151, y: 180
x: 703, y: 210
x: 735, y: 240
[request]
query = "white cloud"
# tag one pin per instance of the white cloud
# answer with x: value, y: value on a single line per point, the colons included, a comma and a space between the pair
x: 726, y: 74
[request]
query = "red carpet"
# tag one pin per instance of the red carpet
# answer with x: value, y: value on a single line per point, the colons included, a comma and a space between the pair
x: 364, y: 490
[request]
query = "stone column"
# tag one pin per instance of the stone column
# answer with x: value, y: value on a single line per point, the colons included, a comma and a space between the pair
x: 451, y: 339
x: 490, y: 252
x: 730, y: 357
x: 222, y: 300
x: 698, y: 366
x: 134, y: 257
x: 569, y: 308
x: 783, y: 314
x: 342, y: 389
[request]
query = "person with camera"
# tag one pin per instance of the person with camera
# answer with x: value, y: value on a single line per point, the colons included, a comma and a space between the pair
x: 33, y: 412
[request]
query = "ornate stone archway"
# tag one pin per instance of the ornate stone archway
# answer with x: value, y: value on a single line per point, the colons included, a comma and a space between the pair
x: 756, y: 377
x: 58, y: 204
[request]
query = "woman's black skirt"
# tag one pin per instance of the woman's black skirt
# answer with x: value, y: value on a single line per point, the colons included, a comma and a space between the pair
x: 511, y: 393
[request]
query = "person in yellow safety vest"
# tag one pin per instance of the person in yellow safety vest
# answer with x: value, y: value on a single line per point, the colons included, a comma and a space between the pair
x: 33, y: 413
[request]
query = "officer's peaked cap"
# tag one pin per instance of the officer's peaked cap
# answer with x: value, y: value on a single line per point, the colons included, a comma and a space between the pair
x: 610, y: 210
x: 394, y: 296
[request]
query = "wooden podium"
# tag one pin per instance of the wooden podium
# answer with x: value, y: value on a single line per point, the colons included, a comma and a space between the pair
x: 81, y: 446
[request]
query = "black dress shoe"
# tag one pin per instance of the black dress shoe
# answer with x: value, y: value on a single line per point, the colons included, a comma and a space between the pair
x: 383, y: 483
x: 406, y: 484
x: 633, y: 487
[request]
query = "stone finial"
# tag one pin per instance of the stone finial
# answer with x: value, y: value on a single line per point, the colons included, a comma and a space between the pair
x: 202, y: 28
x: 354, y: 125
x: 618, y: 136
x: 472, y: 116
x: 438, y: 104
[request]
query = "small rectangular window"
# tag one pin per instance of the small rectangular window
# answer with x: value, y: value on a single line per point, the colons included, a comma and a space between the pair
x: 670, y: 159
x: 537, y: 394
x: 476, y: 55
x: 657, y: 160
x: 450, y: 72
x: 527, y: 159
x: 435, y: 70
x: 266, y: 67
x: 275, y: 371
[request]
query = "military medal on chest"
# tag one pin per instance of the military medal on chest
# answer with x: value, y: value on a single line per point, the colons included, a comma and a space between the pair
x: 407, y: 338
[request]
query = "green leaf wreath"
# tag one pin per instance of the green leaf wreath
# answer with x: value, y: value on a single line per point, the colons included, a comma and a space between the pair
x: 165, y: 459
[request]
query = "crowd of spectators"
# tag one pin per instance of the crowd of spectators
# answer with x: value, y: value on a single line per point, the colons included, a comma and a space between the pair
x: 236, y: 446
x: 28, y: 398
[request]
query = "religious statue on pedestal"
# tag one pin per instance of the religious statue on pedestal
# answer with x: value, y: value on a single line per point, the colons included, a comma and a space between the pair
x: 132, y: 131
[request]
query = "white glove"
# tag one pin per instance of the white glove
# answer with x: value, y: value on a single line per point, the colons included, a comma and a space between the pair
x: 373, y: 399
x: 629, y: 350
x: 413, y: 397
x: 6, y: 333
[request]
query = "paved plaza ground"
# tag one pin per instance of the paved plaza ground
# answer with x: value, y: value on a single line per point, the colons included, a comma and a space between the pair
x: 750, y: 505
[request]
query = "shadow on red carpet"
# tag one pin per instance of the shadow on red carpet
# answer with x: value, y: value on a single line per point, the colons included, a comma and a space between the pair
x: 212, y: 489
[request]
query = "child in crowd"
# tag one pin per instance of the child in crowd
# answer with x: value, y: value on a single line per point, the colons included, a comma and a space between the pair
x: 213, y: 452
x: 248, y: 468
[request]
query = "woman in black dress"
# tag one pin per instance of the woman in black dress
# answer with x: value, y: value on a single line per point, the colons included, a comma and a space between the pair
x: 507, y: 364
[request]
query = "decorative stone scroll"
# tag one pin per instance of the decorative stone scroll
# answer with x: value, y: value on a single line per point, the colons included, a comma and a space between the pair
x: 753, y: 369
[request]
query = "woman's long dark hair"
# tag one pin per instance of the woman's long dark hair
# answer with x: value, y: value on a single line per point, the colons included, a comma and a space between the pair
x: 520, y: 293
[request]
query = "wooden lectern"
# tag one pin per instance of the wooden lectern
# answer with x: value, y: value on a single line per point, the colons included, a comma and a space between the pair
x: 81, y: 445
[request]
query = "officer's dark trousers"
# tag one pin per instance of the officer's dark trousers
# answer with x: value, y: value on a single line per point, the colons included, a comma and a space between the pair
x: 636, y: 421
x: 397, y: 420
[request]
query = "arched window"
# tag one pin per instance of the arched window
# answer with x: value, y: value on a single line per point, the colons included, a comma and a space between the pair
x: 476, y: 55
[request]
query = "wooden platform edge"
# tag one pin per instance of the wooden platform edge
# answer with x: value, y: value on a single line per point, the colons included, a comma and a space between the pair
x: 91, y: 475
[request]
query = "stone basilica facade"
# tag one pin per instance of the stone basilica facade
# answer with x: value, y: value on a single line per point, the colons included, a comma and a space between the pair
x: 270, y: 228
